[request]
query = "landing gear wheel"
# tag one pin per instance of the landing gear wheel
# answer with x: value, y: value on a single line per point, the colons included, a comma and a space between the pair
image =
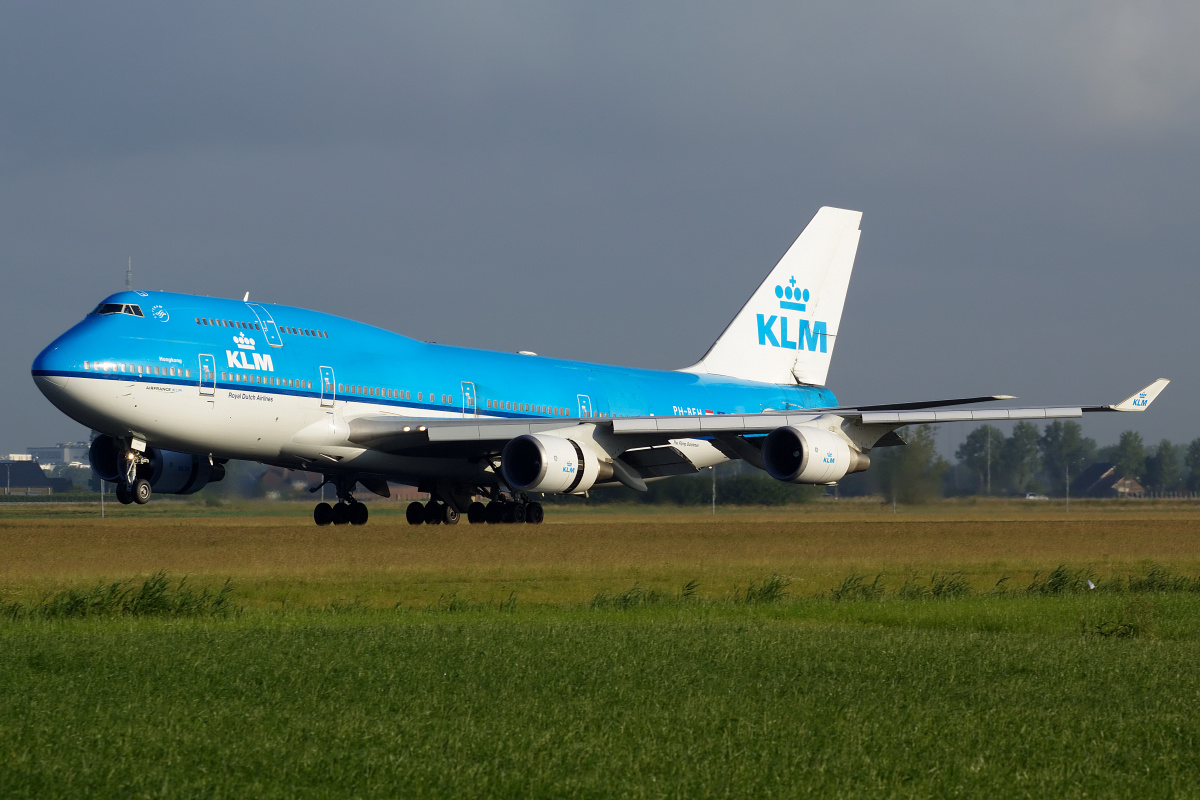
x: 449, y: 515
x: 415, y: 513
x: 141, y: 491
x: 433, y: 513
x: 476, y: 513
x: 493, y: 512
x: 341, y: 514
x: 323, y: 514
x: 358, y: 514
x: 534, y: 513
x: 517, y: 513
x: 124, y: 496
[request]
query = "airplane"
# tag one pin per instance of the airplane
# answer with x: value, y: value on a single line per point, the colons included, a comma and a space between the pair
x: 175, y: 386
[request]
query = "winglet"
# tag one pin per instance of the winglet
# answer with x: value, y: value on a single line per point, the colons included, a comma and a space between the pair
x: 1142, y: 400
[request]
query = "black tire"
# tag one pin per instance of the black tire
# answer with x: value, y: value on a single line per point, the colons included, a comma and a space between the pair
x: 476, y: 513
x: 534, y: 513
x: 415, y: 513
x: 493, y: 512
x: 358, y: 514
x: 341, y: 514
x: 124, y: 496
x: 141, y: 491
x: 449, y: 515
x: 518, y: 513
x: 323, y: 514
x: 433, y: 513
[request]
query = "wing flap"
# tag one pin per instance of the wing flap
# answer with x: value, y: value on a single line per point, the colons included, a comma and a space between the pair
x: 988, y: 415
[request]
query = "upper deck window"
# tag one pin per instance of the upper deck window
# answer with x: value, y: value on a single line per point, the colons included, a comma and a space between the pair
x: 119, y: 308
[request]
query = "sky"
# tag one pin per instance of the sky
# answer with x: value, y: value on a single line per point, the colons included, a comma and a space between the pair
x: 610, y: 181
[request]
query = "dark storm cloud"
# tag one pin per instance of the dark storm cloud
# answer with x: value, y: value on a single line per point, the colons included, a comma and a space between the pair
x: 610, y: 182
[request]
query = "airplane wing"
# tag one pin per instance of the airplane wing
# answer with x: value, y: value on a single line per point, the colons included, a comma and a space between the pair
x: 464, y: 436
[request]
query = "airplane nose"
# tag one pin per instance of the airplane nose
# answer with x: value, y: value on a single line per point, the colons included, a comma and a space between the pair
x: 51, y: 385
x: 41, y: 370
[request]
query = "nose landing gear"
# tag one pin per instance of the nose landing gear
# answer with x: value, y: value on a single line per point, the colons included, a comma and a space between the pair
x: 130, y: 487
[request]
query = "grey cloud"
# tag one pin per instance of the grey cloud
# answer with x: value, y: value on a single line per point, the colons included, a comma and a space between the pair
x: 609, y: 182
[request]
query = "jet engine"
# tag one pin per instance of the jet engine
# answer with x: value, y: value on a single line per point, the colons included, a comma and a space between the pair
x: 181, y: 473
x: 536, y: 462
x: 105, y: 457
x: 168, y: 471
x: 808, y: 455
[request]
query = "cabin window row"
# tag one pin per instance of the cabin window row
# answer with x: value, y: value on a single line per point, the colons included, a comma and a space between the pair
x: 137, y: 369
x: 529, y: 408
x: 304, y: 332
x: 228, y: 323
x: 393, y: 394
x: 379, y: 391
x: 254, y: 326
x: 266, y: 380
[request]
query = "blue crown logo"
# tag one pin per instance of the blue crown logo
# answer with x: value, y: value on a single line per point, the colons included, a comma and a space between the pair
x: 790, y: 297
x: 243, y: 341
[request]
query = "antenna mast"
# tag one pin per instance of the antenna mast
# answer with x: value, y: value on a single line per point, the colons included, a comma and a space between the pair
x: 129, y: 275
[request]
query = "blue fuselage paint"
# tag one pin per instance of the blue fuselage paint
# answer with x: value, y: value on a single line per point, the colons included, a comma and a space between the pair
x: 285, y: 351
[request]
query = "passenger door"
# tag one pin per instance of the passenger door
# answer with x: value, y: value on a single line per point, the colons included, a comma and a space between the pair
x: 269, y: 330
x: 585, y: 405
x: 208, y: 375
x: 328, y: 387
x: 469, y: 408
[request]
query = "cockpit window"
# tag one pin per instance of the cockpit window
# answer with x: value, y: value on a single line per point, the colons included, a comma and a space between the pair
x: 119, y: 308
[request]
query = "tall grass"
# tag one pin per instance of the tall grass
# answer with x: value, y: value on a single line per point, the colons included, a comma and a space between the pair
x: 1062, y: 580
x: 155, y: 596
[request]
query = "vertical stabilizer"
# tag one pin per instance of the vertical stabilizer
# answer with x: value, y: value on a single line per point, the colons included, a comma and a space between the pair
x: 786, y: 331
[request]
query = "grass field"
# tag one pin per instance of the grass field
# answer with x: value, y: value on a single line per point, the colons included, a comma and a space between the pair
x: 569, y: 659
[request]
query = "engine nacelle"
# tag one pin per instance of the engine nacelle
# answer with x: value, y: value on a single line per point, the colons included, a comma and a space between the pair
x: 181, y: 473
x: 105, y: 457
x: 536, y: 462
x: 808, y: 455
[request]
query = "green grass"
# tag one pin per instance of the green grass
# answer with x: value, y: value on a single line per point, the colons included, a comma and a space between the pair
x: 1014, y: 694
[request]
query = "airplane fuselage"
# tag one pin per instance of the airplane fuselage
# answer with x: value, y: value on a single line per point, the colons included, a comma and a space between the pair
x: 268, y: 383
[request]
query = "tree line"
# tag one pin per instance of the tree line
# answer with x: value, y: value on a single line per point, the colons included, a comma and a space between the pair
x: 1029, y: 460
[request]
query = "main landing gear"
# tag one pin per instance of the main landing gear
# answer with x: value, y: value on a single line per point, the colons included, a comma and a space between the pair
x: 347, y: 510
x: 341, y: 513
x: 436, y: 512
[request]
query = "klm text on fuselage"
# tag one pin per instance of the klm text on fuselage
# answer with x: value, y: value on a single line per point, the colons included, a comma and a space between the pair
x: 237, y: 360
x: 807, y: 337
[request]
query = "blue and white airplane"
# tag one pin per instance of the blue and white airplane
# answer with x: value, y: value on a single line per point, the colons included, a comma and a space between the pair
x: 177, y: 385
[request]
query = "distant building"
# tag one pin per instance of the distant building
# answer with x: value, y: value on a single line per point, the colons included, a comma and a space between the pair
x: 24, y: 476
x: 1101, y: 480
x: 59, y: 454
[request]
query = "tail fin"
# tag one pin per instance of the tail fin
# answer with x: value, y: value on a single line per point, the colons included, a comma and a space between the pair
x: 786, y: 331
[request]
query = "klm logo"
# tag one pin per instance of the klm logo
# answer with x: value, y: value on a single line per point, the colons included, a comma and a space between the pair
x: 569, y: 468
x: 808, y: 337
x: 237, y: 360
x: 1140, y: 401
x: 829, y: 459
